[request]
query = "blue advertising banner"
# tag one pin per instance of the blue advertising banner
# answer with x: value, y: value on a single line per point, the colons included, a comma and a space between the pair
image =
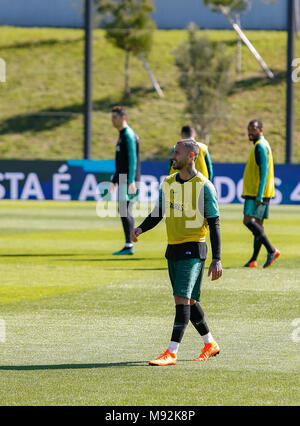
x: 84, y: 180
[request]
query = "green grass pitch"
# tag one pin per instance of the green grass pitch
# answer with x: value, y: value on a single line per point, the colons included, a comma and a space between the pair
x: 79, y: 326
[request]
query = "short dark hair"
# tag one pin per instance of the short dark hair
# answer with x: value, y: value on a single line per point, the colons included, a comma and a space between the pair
x: 190, y: 145
x: 188, y: 130
x: 120, y: 110
x: 256, y: 123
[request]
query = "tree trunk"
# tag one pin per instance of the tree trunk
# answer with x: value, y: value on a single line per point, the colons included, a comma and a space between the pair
x: 154, y: 82
x: 127, y: 87
x: 202, y: 132
x: 206, y: 139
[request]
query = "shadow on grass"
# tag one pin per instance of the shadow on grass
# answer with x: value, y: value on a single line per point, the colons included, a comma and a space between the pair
x: 251, y: 83
x: 51, y: 118
x: 38, y: 255
x: 137, y: 269
x: 114, y: 259
x: 40, y: 43
x: 137, y: 96
x: 83, y: 366
x: 72, y: 366
x: 227, y: 43
x: 40, y: 120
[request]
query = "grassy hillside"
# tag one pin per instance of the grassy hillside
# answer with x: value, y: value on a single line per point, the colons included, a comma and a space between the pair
x: 41, y: 103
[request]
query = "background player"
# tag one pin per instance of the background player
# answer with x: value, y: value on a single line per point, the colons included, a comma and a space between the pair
x: 203, y: 163
x: 258, y: 190
x: 127, y: 173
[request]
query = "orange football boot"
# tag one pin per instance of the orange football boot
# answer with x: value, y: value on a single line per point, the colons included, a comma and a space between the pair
x: 251, y: 264
x: 167, y: 358
x: 209, y: 350
x: 271, y: 258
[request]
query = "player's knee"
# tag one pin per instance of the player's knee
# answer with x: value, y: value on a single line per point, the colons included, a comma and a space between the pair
x: 247, y: 220
x: 179, y: 300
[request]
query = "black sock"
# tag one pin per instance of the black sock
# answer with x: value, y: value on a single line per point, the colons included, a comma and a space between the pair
x: 258, y: 231
x: 182, y: 318
x: 127, y: 220
x: 198, y: 319
x: 256, y: 248
x: 127, y: 223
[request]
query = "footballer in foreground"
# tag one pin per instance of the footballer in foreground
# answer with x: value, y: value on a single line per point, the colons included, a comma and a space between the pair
x: 188, y: 200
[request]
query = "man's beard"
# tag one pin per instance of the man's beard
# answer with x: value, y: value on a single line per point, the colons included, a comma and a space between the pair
x: 253, y: 138
x: 178, y: 166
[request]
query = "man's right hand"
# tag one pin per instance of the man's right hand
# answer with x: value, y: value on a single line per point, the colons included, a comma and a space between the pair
x: 135, y: 234
x: 112, y: 187
x: 215, y: 269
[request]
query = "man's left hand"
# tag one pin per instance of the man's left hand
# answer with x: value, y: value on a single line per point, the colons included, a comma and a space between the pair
x: 132, y: 188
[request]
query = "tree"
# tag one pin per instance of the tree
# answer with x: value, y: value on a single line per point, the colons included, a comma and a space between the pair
x: 129, y: 26
x: 234, y: 5
x: 204, y: 75
x: 230, y: 7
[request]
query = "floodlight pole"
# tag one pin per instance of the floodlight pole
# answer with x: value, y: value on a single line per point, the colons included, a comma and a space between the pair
x: 290, y: 83
x: 88, y: 104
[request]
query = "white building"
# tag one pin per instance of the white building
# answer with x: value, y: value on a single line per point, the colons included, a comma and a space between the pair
x: 168, y: 14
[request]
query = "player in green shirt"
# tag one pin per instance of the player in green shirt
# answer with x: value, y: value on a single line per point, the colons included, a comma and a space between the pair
x: 127, y: 174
